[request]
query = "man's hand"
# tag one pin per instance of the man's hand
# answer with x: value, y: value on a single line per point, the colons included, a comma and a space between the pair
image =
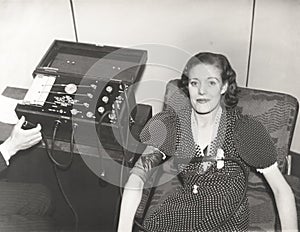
x: 21, y: 139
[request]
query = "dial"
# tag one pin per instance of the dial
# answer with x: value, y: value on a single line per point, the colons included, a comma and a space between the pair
x: 71, y: 88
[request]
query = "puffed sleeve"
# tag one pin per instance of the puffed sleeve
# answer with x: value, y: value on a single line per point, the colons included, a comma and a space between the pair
x: 253, y: 143
x: 159, y: 134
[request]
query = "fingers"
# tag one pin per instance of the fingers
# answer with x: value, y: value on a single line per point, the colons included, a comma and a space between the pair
x: 20, y: 122
x: 39, y: 126
x: 35, y: 141
x: 35, y: 130
x: 37, y: 136
x: 29, y: 144
x: 21, y: 139
x: 29, y: 141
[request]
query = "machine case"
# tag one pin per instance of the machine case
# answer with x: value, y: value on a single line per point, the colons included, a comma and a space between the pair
x: 81, y: 88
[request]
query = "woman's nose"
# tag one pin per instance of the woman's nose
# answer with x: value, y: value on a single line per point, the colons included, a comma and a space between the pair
x: 201, y: 89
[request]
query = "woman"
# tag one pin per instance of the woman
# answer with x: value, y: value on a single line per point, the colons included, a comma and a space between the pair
x: 207, y: 128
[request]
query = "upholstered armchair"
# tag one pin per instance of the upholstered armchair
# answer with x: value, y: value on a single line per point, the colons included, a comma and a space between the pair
x: 278, y: 113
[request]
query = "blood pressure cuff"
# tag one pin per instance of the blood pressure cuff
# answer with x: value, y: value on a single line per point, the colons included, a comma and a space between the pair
x: 160, y: 135
x: 147, y: 163
x: 254, y: 144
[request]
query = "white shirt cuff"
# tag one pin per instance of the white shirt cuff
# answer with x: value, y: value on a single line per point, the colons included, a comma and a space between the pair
x: 268, y: 169
x: 5, y: 153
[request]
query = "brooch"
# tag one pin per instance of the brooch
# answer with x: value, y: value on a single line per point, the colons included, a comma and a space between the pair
x: 220, y: 157
x: 195, y: 189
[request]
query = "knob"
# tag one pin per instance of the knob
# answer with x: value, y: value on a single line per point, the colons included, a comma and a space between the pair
x: 112, y: 116
x: 109, y: 89
x: 70, y: 88
x: 75, y: 111
x: 101, y: 109
x: 89, y: 114
x: 105, y: 99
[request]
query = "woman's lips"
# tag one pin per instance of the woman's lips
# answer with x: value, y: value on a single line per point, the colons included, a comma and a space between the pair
x: 202, y: 101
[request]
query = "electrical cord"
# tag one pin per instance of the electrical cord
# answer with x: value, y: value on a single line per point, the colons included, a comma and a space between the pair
x: 28, y: 124
x: 56, y: 165
x: 100, y: 121
x: 127, y: 137
x: 66, y: 198
x: 102, y: 117
x: 124, y: 161
x: 236, y: 208
x: 124, y: 145
x: 50, y: 154
x: 99, y: 150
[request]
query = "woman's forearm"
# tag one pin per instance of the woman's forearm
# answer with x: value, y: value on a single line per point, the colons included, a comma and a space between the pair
x: 130, y: 201
x: 286, y: 206
x: 284, y: 198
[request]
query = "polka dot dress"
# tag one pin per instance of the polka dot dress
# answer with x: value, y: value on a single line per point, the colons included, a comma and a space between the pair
x: 208, y: 195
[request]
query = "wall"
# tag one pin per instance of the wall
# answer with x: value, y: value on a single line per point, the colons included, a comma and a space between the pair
x: 276, y: 51
x: 28, y: 27
x: 170, y: 30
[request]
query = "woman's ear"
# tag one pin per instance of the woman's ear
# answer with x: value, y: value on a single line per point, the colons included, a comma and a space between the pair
x: 224, y: 88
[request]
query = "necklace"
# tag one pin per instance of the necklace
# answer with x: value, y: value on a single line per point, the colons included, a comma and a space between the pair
x: 195, y: 129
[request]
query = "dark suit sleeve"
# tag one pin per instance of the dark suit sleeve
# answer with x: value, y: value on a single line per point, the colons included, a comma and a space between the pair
x: 2, y: 163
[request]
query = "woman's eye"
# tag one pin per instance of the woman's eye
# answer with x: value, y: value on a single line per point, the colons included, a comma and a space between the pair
x: 212, y: 83
x: 193, y: 83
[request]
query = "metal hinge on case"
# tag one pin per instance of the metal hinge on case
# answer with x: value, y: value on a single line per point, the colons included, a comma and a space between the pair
x: 50, y: 69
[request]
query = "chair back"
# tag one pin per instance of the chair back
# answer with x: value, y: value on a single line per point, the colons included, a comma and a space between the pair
x: 276, y: 111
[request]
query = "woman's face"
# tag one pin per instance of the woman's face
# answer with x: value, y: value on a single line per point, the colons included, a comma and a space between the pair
x: 205, y: 88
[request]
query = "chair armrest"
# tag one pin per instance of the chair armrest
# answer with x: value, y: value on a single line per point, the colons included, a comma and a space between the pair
x: 291, y: 162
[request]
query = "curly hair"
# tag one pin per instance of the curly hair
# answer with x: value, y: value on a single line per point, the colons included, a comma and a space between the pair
x: 227, y: 74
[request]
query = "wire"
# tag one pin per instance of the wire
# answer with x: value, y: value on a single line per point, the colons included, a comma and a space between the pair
x: 56, y: 164
x: 66, y: 199
x: 124, y: 145
x: 102, y: 171
x: 50, y: 154
x: 232, y: 213
x: 102, y: 117
x: 124, y: 160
